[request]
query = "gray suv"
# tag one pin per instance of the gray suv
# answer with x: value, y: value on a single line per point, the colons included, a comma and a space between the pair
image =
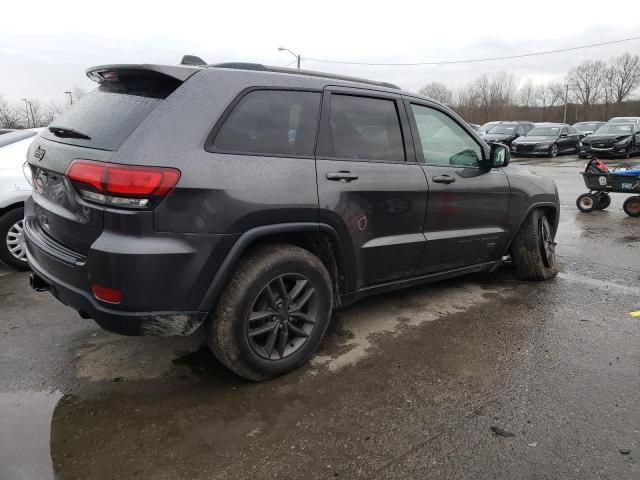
x: 255, y: 200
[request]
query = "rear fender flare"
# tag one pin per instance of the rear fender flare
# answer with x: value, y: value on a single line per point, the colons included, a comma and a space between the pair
x: 251, y: 236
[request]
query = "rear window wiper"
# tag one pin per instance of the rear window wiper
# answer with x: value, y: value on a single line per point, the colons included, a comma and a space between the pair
x: 68, y: 133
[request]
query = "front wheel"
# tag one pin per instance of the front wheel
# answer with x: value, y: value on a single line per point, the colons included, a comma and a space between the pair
x: 586, y: 202
x: 631, y: 206
x: 273, y: 313
x: 553, y: 150
x: 13, y: 250
x: 534, y: 248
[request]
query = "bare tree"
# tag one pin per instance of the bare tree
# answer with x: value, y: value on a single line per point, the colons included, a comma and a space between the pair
x: 624, y: 76
x: 438, y: 91
x: 586, y: 82
x: 78, y: 93
x: 9, y: 115
x: 528, y: 93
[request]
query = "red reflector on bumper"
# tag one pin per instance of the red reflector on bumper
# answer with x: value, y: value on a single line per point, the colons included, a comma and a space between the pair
x: 110, y: 295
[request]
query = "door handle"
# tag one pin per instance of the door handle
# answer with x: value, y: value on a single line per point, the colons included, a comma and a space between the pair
x: 443, y: 179
x: 341, y: 176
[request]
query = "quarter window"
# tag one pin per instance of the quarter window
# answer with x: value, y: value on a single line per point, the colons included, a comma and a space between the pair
x: 274, y: 122
x: 442, y: 140
x: 365, y: 128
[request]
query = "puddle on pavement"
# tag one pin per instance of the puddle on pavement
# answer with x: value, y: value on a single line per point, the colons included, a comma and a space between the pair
x: 25, y: 428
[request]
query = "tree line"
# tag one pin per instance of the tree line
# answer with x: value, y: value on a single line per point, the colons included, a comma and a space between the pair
x: 32, y: 113
x: 593, y: 90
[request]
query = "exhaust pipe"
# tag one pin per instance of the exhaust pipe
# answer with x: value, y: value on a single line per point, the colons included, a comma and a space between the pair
x: 37, y: 283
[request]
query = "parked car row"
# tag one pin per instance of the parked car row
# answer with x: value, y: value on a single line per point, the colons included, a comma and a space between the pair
x: 620, y: 136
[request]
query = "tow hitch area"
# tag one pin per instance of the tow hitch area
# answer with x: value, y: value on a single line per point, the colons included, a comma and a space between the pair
x: 37, y: 283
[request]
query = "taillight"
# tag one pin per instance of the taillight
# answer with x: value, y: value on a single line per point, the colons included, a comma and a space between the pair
x: 128, y: 186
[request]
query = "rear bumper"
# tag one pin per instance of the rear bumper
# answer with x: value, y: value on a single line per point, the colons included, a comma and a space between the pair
x: 163, y: 278
x: 117, y: 321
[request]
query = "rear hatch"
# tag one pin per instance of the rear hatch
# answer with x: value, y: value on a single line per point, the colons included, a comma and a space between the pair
x: 92, y: 129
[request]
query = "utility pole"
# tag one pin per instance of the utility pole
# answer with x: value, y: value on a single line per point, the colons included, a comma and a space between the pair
x: 26, y: 109
x: 70, y: 98
x: 33, y: 117
x: 566, y: 99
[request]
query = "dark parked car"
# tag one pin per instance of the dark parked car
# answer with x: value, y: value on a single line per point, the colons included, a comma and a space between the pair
x: 486, y: 126
x: 635, y: 120
x: 587, y: 128
x: 613, y: 139
x: 254, y: 200
x: 507, y: 132
x: 548, y: 139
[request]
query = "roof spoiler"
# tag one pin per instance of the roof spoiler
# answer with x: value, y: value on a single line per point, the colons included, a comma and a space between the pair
x: 116, y: 72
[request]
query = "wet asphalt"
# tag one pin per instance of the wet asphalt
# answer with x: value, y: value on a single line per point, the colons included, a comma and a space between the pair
x: 478, y: 377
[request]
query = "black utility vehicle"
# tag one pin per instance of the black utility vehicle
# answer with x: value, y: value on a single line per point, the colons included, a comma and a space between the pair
x: 507, y: 132
x: 548, y: 139
x: 255, y: 200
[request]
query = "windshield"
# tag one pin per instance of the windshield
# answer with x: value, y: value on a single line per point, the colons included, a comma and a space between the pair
x: 586, y: 126
x: 503, y: 129
x: 614, y: 129
x: 622, y: 120
x: 544, y: 132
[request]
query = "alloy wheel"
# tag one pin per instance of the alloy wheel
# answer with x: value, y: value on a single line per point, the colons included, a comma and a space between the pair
x: 282, y: 316
x: 547, y: 243
x: 15, y: 241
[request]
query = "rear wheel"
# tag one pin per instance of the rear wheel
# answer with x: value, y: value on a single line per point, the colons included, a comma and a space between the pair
x: 586, y: 202
x: 553, y: 150
x: 603, y: 200
x: 13, y: 251
x: 631, y: 206
x: 273, y: 312
x: 534, y: 248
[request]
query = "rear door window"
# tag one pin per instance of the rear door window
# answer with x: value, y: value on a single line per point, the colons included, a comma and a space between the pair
x: 271, y: 122
x: 365, y: 128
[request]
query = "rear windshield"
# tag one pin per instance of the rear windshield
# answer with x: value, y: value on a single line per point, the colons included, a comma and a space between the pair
x: 110, y: 113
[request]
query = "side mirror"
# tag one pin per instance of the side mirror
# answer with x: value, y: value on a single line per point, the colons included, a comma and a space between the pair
x: 499, y: 156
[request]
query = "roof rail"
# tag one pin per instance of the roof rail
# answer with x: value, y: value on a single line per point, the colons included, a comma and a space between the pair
x: 309, y: 73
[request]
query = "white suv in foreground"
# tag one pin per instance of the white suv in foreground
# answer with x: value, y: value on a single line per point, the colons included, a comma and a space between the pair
x: 14, y: 190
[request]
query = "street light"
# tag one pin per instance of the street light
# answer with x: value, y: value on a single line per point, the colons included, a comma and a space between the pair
x: 70, y: 98
x: 282, y: 49
x: 26, y: 109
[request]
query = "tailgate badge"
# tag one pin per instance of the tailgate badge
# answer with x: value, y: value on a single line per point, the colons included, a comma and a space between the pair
x: 39, y: 153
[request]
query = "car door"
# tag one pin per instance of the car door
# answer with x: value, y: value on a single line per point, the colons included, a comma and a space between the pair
x: 467, y: 205
x: 564, y: 140
x: 370, y: 189
x: 573, y: 136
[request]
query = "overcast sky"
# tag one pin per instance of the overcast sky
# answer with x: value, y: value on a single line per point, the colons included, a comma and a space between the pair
x: 45, y: 46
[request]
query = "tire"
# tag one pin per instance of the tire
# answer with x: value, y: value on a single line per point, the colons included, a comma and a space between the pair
x: 631, y: 206
x: 280, y: 347
x: 586, y: 202
x: 553, y: 151
x: 603, y: 200
x: 533, y: 248
x: 12, y: 249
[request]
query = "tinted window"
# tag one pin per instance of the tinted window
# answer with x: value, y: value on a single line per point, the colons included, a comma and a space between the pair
x: 443, y: 141
x: 564, y: 131
x: 365, y: 128
x: 272, y: 122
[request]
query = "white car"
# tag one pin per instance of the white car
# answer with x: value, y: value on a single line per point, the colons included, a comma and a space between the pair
x: 14, y: 190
